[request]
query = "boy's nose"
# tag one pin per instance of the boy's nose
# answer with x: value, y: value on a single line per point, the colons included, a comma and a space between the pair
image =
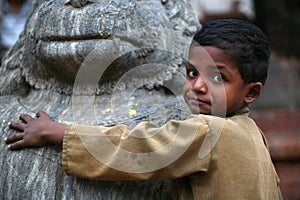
x: 200, y: 85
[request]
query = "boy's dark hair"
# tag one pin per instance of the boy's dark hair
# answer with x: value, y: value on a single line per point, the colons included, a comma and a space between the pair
x: 243, y: 42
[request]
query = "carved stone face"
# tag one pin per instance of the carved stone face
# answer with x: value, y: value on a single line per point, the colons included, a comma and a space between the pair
x: 62, y: 33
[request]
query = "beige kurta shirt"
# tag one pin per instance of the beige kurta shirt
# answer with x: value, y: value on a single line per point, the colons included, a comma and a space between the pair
x: 207, y: 157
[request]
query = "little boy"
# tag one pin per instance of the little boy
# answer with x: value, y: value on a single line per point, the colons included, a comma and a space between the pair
x: 220, y: 152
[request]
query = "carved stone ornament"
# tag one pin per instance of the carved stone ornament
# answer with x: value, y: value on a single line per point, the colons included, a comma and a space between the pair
x: 114, y: 56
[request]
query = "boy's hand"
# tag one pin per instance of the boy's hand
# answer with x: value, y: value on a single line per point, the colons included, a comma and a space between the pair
x: 35, y: 132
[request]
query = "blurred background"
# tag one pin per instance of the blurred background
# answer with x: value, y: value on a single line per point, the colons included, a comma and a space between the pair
x: 13, y: 15
x: 277, y: 112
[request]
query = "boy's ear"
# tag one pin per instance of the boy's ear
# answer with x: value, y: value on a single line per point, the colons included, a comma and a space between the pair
x: 254, y: 91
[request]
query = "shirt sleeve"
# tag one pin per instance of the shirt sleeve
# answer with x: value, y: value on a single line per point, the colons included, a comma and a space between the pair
x: 145, y: 152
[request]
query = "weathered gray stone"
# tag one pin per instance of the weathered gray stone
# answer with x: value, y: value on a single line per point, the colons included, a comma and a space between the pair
x: 115, y: 38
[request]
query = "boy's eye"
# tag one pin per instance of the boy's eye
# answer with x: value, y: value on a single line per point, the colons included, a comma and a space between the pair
x: 218, y: 78
x: 192, y: 73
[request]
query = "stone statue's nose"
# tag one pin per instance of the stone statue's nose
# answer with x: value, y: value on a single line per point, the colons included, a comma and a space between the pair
x: 78, y: 3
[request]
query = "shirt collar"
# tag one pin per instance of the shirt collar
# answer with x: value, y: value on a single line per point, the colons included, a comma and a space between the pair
x: 242, y: 111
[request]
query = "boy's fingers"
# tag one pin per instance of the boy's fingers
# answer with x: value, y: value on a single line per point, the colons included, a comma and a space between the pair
x: 26, y: 118
x: 17, y: 145
x: 14, y: 138
x: 16, y: 125
x: 42, y: 114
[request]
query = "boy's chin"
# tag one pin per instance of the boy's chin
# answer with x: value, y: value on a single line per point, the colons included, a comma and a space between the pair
x: 197, y: 111
x: 203, y: 113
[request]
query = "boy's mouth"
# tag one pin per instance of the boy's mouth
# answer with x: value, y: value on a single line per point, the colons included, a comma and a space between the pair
x: 198, y: 101
x: 198, y: 105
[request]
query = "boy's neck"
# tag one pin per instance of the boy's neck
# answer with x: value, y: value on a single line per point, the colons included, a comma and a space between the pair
x: 241, y: 111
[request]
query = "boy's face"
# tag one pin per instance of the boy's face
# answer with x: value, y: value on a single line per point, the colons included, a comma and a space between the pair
x: 213, y: 84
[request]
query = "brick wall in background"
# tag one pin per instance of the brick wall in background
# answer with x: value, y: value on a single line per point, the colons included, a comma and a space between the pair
x: 277, y: 113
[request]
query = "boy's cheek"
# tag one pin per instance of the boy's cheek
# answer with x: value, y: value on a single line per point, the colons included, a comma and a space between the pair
x: 186, y: 87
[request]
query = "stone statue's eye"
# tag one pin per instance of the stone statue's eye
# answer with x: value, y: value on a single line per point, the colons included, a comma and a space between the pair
x: 78, y: 3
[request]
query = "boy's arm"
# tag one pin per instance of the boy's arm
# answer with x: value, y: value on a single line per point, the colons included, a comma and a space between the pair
x: 35, y: 132
x: 119, y: 153
x: 122, y: 153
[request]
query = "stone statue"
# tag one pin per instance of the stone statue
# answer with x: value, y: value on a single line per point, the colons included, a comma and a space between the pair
x: 104, y: 48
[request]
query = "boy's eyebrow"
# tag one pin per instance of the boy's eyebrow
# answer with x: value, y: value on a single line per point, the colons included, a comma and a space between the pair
x: 211, y: 67
x: 218, y: 67
x: 190, y: 64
